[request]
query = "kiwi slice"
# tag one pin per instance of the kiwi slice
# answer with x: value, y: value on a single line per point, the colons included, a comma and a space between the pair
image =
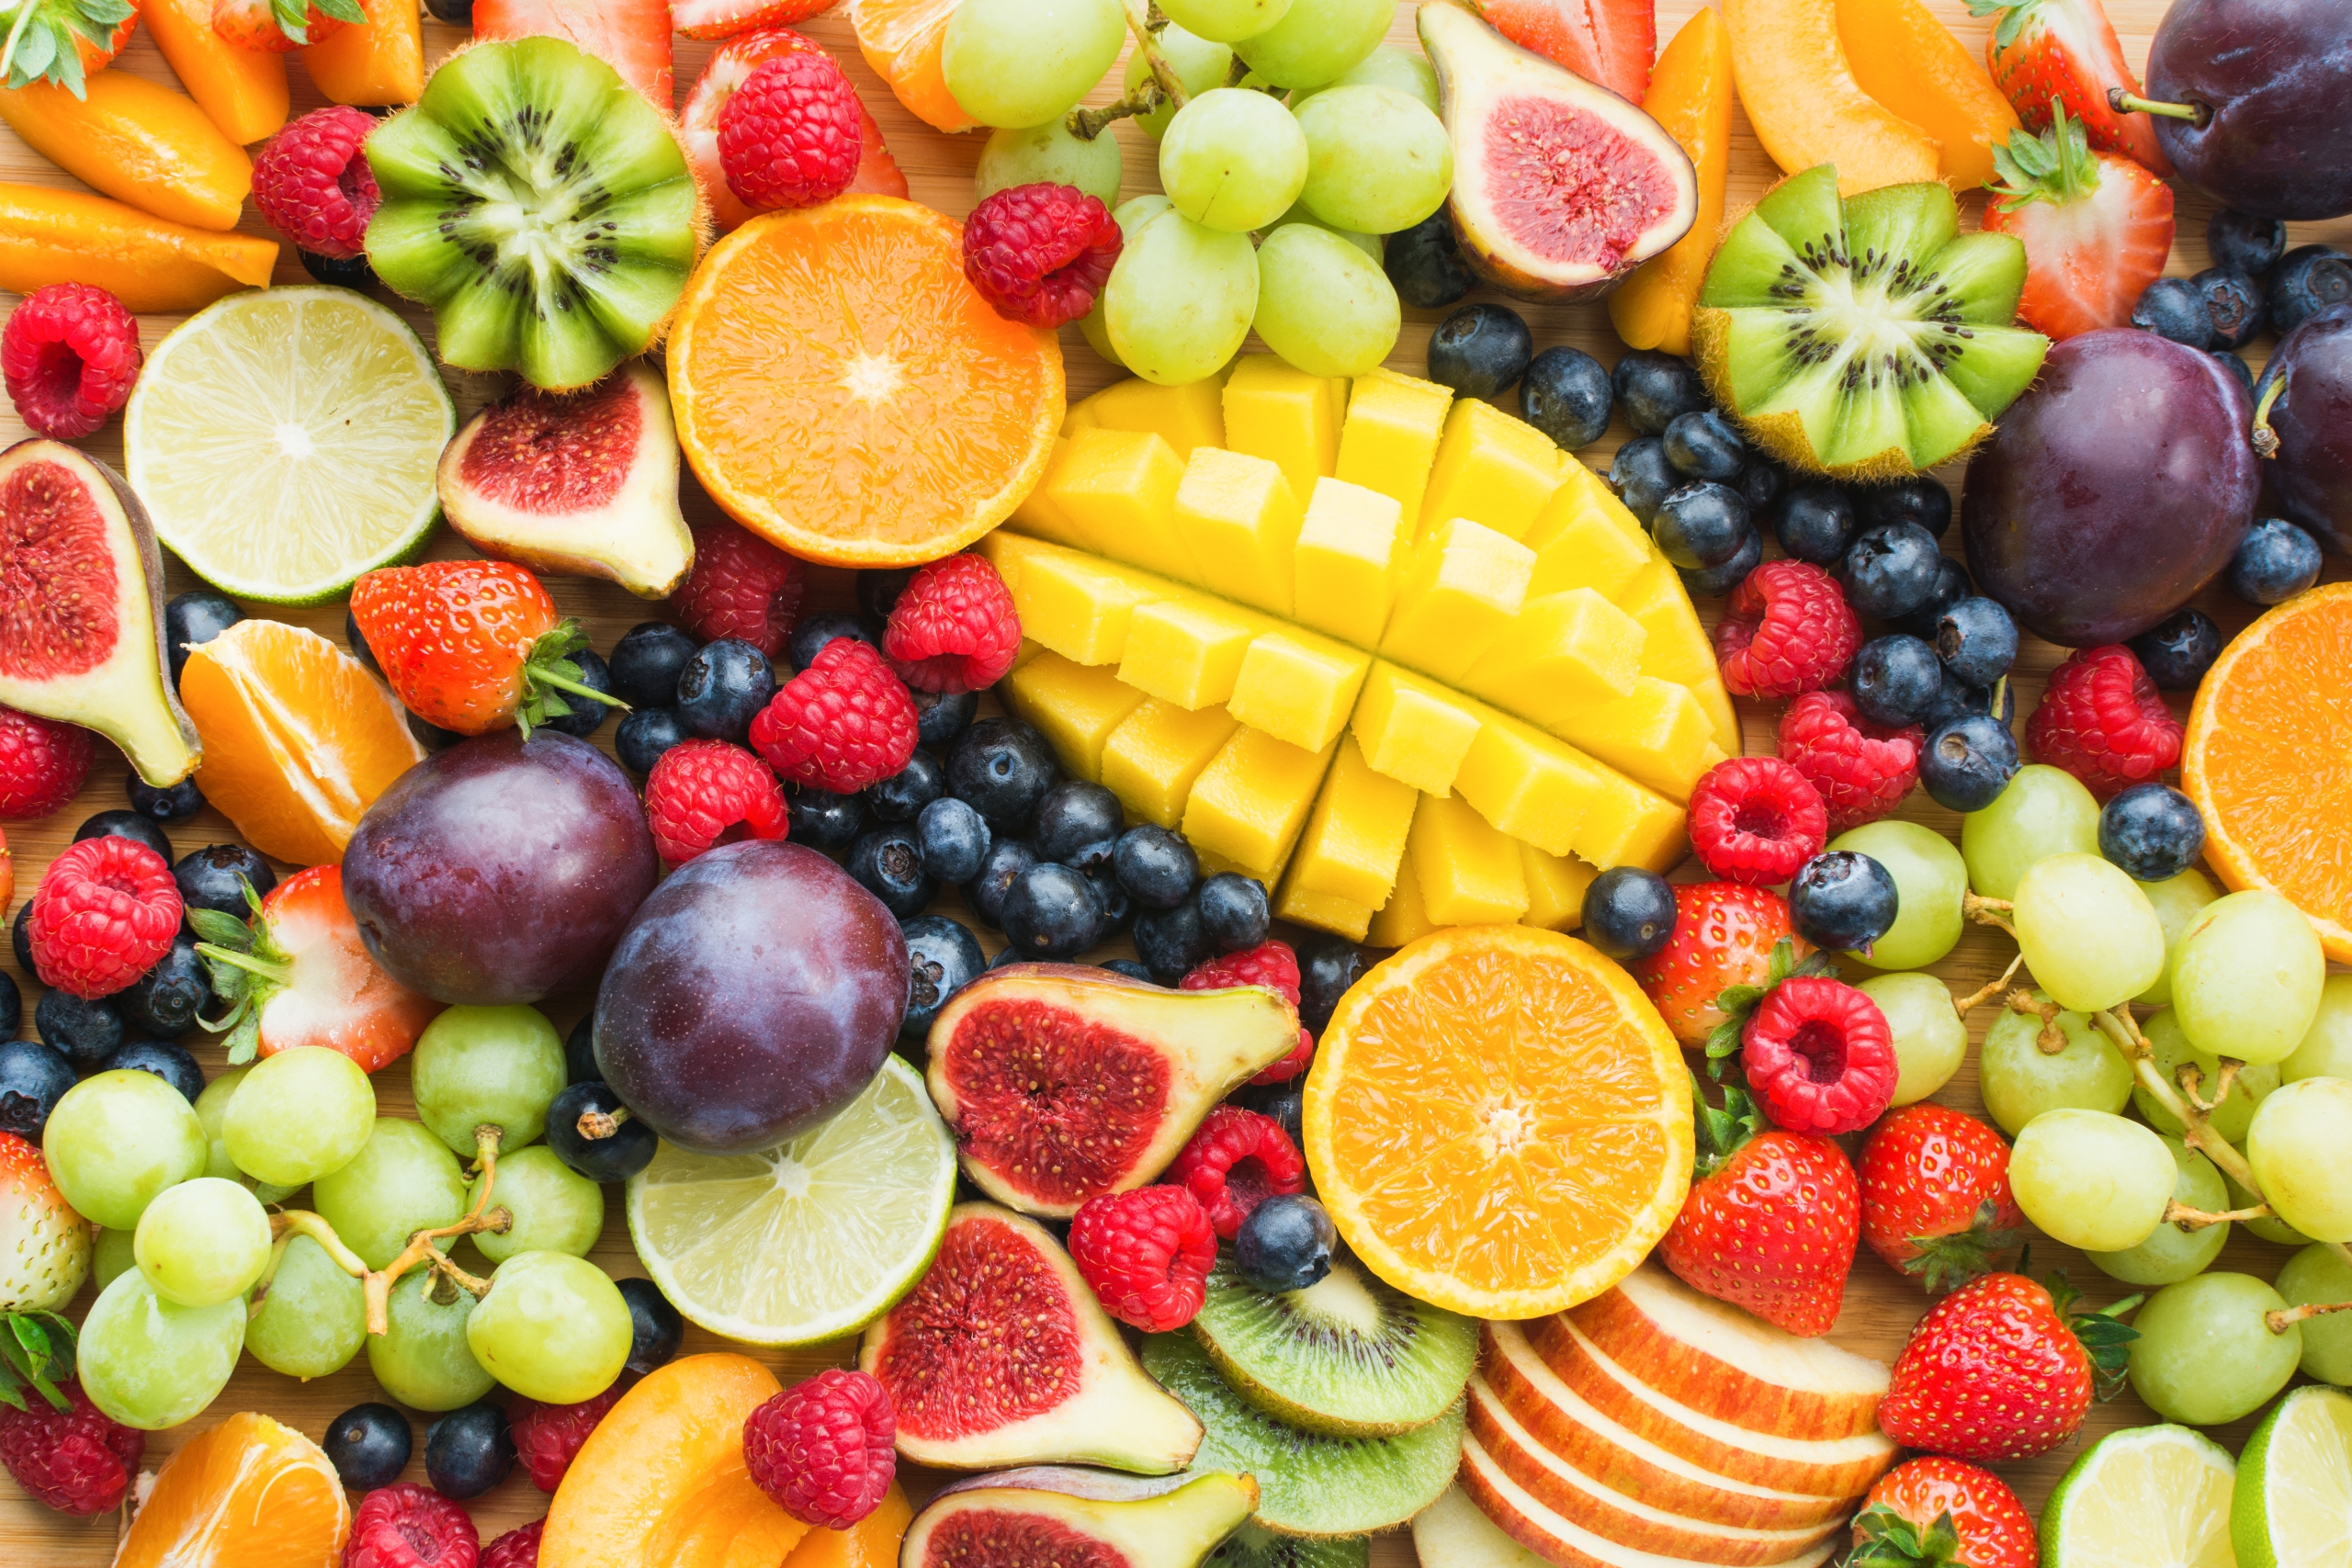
x: 1309, y: 1484
x: 1350, y: 1355
x: 1866, y: 338
x: 1250, y: 1547
x: 542, y: 207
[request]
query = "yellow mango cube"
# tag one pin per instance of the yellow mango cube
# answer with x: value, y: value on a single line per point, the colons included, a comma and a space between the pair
x: 1627, y: 825
x: 1675, y: 647
x: 1468, y: 873
x: 1411, y: 728
x: 1389, y: 438
x: 1297, y: 687
x: 1562, y: 652
x: 1285, y: 415
x: 1576, y: 546
x: 1491, y: 468
x: 1075, y: 707
x: 1658, y: 733
x: 1585, y: 488
x: 1237, y: 517
x: 1030, y: 648
x: 1187, y: 651
x: 1528, y: 784
x: 1404, y: 918
x: 1039, y: 514
x: 1186, y: 417
x: 1321, y: 912
x: 1115, y: 490
x: 1355, y: 836
x: 1250, y: 804
x: 1080, y: 416
x: 1720, y: 714
x: 1351, y: 553
x: 1555, y: 886
x: 1079, y: 605
x: 1461, y: 592
x: 1152, y: 759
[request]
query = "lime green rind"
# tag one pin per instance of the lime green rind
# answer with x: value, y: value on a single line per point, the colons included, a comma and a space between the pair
x: 2145, y: 1497
x: 2292, y: 1504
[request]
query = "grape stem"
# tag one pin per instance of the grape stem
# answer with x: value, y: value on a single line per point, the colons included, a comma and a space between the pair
x: 2192, y: 1077
x: 1144, y: 20
x: 602, y: 1123
x: 1986, y: 992
x: 1988, y: 912
x: 2188, y: 1219
x: 2280, y: 1322
x: 2051, y: 1040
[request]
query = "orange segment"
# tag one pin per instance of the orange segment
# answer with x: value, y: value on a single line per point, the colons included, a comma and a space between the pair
x: 299, y: 738
x: 1500, y: 1122
x: 872, y: 1542
x: 901, y: 39
x: 248, y: 1493
x: 841, y: 388
x: 2264, y: 756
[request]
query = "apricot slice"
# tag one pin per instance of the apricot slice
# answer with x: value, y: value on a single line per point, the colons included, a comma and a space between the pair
x: 149, y: 264
x: 1806, y: 107
x: 242, y: 90
x: 1690, y: 93
x: 1909, y: 61
x: 872, y: 1542
x: 382, y: 62
x: 138, y: 141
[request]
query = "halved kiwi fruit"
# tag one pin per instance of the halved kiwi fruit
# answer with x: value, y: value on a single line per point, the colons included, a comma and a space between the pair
x: 1250, y: 1547
x: 1309, y: 1484
x: 1866, y: 338
x: 1351, y: 1356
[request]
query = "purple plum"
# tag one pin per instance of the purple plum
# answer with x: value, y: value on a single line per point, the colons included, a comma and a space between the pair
x: 2255, y: 102
x: 2311, y: 418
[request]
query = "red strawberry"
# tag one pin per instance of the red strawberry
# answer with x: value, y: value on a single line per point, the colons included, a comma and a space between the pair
x: 2001, y: 1370
x: 630, y: 36
x: 1932, y: 1511
x: 1771, y: 1220
x: 2045, y: 52
x: 46, y: 1254
x: 1612, y: 43
x: 275, y: 27
x: 2097, y: 228
x: 64, y: 41
x: 1723, y: 939
x: 730, y: 68
x: 472, y: 646
x: 1936, y: 1195
x: 725, y: 19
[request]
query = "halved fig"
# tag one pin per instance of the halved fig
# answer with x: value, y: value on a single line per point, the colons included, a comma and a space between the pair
x: 1001, y: 1355
x: 1077, y: 1519
x: 1560, y: 188
x: 81, y: 608
x: 575, y: 484
x: 1063, y: 1081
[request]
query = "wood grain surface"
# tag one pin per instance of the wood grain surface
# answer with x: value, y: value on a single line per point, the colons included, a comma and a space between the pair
x: 1880, y: 1307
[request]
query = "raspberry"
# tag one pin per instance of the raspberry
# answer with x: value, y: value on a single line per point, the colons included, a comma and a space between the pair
x: 74, y: 1460
x: 825, y: 1449
x: 953, y: 628
x: 740, y: 586
x: 1756, y: 819
x: 1819, y: 1056
x: 1786, y: 630
x: 516, y: 1549
x: 1147, y: 1254
x: 311, y: 181
x: 1290, y: 1066
x: 547, y: 1437
x: 843, y: 723
x: 1269, y: 963
x: 1861, y: 770
x: 1236, y: 1161
x: 408, y: 1525
x: 790, y: 135
x: 105, y: 912
x: 1040, y: 252
x: 42, y: 764
x: 2102, y: 721
x: 70, y: 354
x: 703, y: 793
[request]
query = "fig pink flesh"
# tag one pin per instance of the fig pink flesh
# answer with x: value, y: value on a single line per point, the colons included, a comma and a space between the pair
x: 57, y: 581
x: 987, y: 1339
x: 1567, y: 185
x: 1056, y: 1105
x: 1006, y: 1537
x: 537, y: 452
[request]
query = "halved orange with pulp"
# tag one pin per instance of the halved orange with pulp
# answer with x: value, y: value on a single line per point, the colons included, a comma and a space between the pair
x: 1500, y: 1122
x: 840, y: 389
x: 248, y: 1493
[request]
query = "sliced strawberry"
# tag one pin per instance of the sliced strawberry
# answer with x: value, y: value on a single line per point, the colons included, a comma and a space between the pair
x: 2065, y: 51
x: 1611, y: 42
x: 2096, y: 227
x: 274, y: 26
x: 729, y: 67
x: 725, y: 19
x: 630, y: 36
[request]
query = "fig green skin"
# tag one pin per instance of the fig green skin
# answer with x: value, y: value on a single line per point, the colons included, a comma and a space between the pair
x: 501, y: 869
x: 2276, y: 79
x: 2311, y: 417
x: 2117, y: 486
x: 756, y: 993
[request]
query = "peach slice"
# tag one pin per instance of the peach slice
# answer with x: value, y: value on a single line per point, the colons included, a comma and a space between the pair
x: 872, y: 1542
x: 138, y: 141
x: 1910, y: 62
x: 1808, y: 108
x: 69, y: 236
x: 382, y: 62
x: 1690, y: 93
x: 242, y: 90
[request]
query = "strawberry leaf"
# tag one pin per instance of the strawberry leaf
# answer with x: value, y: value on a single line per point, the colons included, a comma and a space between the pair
x: 220, y: 929
x: 1737, y: 1003
x: 1884, y: 1538
x: 2012, y: 14
x: 39, y: 43
x: 1721, y: 1131
x: 2055, y: 166
x: 549, y: 672
x: 1949, y: 1261
x: 37, y: 1351
x: 2104, y: 1337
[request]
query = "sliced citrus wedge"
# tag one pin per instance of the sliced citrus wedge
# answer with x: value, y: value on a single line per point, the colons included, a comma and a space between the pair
x: 2292, y: 1508
x: 248, y: 1492
x: 2145, y: 1497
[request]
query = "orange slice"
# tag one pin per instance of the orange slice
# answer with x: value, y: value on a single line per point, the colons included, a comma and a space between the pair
x: 840, y: 389
x: 299, y: 738
x: 901, y: 39
x: 1500, y: 1122
x: 2264, y: 759
x: 248, y: 1493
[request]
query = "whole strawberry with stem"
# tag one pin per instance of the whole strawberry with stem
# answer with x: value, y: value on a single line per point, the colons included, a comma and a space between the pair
x: 1936, y: 1200
x: 1933, y: 1512
x: 1730, y: 944
x: 44, y: 1258
x: 2004, y: 1368
x: 472, y: 646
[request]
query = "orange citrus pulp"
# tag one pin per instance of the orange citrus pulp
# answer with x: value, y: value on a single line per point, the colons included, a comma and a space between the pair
x: 248, y: 1493
x: 901, y: 39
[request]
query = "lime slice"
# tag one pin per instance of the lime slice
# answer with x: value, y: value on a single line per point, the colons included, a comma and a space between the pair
x: 2293, y: 1505
x: 2146, y: 1497
x: 284, y: 441
x: 812, y: 1239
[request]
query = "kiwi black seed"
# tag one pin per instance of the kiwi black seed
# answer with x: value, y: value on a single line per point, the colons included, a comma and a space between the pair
x: 1250, y: 1547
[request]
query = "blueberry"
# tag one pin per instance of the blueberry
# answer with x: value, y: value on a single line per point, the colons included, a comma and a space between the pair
x: 431, y: 737
x: 1235, y: 915
x: 1958, y: 699
x: 1842, y: 901
x: 823, y: 820
x: 1284, y: 1103
x: 2233, y: 304
x: 2152, y: 831
x: 369, y: 1444
x: 1894, y: 680
x: 953, y: 840
x: 357, y: 641
x: 1171, y: 942
x: 1052, y: 912
x: 1003, y: 767
x: 1118, y: 909
x: 942, y: 957
x: 1653, y: 387
x: 647, y: 661
x: 338, y: 271
x: 644, y: 734
x: 1628, y: 913
x: 580, y: 1052
x: 182, y: 800
x: 902, y: 795
x: 618, y: 1156
x: 1713, y: 581
x: 887, y: 863
x: 2179, y: 649
x: 1889, y: 570
x: 2307, y: 280
x: 1425, y: 265
x: 216, y: 877
x: 2172, y: 307
x: 2239, y: 372
x: 197, y: 616
x: 12, y: 1007
x: 813, y: 632
x: 1703, y: 445
x: 656, y: 1328
x: 469, y: 1451
x: 21, y: 938
x: 2276, y: 560
x: 941, y: 718
x: 1761, y: 484
x: 86, y: 1032
x: 983, y: 895
x: 1968, y: 762
x: 1700, y: 525
x: 722, y: 689
x: 2241, y: 239
x: 1327, y: 966
x: 1642, y: 476
x: 163, y: 1002
x: 1977, y: 641
x: 878, y: 590
x: 1284, y: 1244
x: 1157, y: 868
x: 33, y: 1078
x: 1951, y: 587
x: 1916, y: 500
x: 1007, y: 957
x: 1127, y: 966
x: 168, y: 1062
x: 1480, y: 350
x: 1073, y: 815
x: 587, y: 715
x: 1816, y: 523
x: 1566, y: 394
x: 136, y: 826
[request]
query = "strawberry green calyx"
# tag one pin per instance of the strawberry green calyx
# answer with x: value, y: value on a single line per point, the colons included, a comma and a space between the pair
x: 1721, y: 1131
x: 40, y: 43
x: 1884, y: 1538
x: 2014, y: 14
x: 247, y: 969
x: 35, y: 1353
x: 293, y: 16
x: 2055, y: 166
x: 2105, y: 1338
x: 1947, y: 1263
x: 1738, y: 1003
x: 549, y: 673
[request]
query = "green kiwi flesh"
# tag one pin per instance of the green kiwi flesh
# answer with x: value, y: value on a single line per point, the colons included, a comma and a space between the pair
x: 1866, y: 338
x: 1350, y: 1355
x: 1250, y: 1547
x: 541, y: 207
x: 1309, y: 1484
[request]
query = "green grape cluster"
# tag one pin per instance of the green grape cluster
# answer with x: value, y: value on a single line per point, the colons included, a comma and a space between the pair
x: 2091, y: 1179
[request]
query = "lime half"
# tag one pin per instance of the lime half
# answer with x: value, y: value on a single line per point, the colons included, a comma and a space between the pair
x: 2147, y: 1497
x: 284, y: 441
x: 2293, y: 1506
x: 812, y: 1239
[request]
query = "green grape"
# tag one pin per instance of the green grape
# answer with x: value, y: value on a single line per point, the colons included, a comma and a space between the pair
x: 2019, y: 1081
x: 555, y: 1208
x: 2087, y: 933
x: 2045, y: 811
x: 150, y: 1363
x: 1370, y: 244
x: 2327, y: 1048
x: 1317, y: 39
x: 212, y: 1113
x: 1048, y: 154
x: 423, y: 1359
x: 2169, y: 1050
x: 1386, y: 66
x: 2176, y: 901
x: 1930, y: 1038
x: 1233, y: 159
x: 2170, y: 1254
x: 2204, y: 1356
x: 2276, y: 1231
x: 1227, y: 21
x: 1323, y: 305
x: 1179, y: 302
x: 110, y: 1254
x: 116, y: 1140
x: 479, y: 1066
x: 202, y: 1241
x: 2300, y: 1148
x: 2246, y: 977
x: 2091, y: 1180
x: 553, y: 1328
x: 1377, y: 160
x: 1198, y: 63
x: 312, y: 1318
x: 2317, y: 1274
x: 404, y: 1180
x: 1098, y: 336
x: 1929, y: 879
x: 298, y: 1115
x: 1131, y: 214
x: 1022, y: 63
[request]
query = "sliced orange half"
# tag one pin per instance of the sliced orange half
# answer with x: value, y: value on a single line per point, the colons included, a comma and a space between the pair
x: 1500, y: 1122
x: 248, y: 1493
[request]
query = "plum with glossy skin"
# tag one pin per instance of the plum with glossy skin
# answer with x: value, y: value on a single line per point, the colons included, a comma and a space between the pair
x: 2117, y: 486
x: 501, y: 869
x: 2311, y: 420
x: 757, y: 992
x: 2269, y: 83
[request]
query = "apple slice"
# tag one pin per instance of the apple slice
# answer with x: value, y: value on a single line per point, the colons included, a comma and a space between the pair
x: 1452, y: 1531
